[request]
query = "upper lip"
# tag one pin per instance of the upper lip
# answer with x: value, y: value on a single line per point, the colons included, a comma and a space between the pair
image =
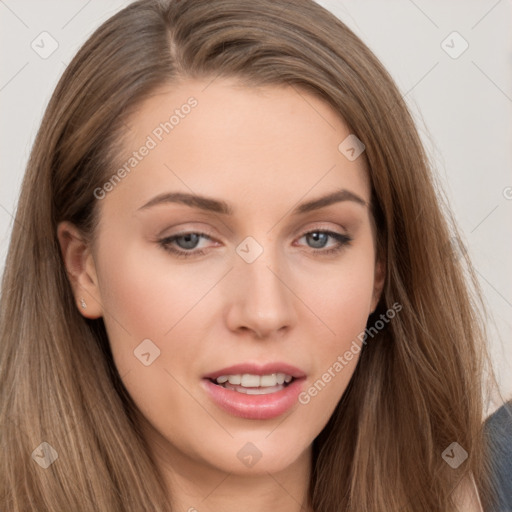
x: 258, y: 369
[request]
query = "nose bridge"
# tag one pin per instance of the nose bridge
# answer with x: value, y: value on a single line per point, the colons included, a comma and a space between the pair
x: 263, y: 301
x: 259, y: 267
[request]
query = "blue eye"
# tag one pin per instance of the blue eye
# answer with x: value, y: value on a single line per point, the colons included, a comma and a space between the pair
x: 188, y: 241
x: 320, y: 239
x: 185, y: 242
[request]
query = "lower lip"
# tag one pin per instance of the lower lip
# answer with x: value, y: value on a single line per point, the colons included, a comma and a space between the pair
x: 255, y: 407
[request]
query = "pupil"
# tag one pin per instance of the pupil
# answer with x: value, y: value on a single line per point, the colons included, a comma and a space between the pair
x: 190, y: 239
x: 316, y: 236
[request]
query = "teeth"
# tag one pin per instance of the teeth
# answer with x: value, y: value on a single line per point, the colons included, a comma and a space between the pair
x: 257, y: 391
x: 235, y: 379
x: 267, y: 380
x: 248, y: 380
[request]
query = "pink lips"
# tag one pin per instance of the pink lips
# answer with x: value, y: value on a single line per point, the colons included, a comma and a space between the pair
x: 257, y: 407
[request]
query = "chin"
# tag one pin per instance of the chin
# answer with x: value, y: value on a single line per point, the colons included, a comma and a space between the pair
x: 258, y: 452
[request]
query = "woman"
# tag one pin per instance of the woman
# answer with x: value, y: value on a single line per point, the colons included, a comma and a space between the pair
x: 230, y: 284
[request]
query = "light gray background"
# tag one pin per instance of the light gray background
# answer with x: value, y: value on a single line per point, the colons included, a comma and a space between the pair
x: 463, y: 108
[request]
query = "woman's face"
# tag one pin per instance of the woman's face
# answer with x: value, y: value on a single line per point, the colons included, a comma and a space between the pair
x: 255, y: 282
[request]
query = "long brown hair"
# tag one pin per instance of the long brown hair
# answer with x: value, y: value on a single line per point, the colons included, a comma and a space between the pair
x: 417, y: 387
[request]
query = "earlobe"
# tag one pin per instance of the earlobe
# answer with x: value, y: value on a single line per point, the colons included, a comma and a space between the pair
x: 80, y: 268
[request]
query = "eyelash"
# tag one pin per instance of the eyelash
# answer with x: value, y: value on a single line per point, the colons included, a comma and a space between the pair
x: 165, y: 243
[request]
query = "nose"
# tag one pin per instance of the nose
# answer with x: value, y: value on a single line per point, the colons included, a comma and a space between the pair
x: 260, y: 296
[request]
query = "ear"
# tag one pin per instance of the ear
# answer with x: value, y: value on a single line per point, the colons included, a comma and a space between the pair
x: 81, y: 270
x: 378, y: 282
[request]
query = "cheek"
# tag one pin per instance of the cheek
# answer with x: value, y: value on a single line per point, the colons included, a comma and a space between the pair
x: 144, y: 293
x: 341, y: 300
x: 144, y: 299
x: 340, y: 293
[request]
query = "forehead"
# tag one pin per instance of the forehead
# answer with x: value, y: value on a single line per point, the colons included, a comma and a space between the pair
x: 265, y: 145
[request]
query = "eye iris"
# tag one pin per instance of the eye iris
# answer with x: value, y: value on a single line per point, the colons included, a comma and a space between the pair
x: 318, y: 236
x: 191, y: 240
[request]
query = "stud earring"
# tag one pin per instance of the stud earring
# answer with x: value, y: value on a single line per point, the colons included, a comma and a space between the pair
x: 82, y: 303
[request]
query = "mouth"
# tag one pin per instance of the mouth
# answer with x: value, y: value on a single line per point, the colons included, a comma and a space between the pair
x: 255, y: 392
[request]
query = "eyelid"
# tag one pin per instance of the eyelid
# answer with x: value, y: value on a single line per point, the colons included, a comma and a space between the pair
x: 212, y: 234
x: 342, y: 240
x: 190, y: 227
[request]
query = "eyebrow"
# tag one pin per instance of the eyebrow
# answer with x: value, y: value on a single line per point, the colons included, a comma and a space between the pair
x: 218, y: 206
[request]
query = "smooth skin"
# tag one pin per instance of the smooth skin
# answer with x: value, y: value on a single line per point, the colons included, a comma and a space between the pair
x: 263, y: 152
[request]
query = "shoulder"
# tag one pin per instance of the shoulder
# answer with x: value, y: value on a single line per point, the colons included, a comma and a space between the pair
x: 498, y: 432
